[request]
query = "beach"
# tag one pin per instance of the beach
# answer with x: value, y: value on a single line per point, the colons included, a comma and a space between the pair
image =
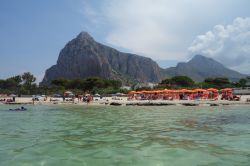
x: 123, y: 101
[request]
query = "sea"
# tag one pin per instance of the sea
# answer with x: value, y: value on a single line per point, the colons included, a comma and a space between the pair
x: 73, y: 135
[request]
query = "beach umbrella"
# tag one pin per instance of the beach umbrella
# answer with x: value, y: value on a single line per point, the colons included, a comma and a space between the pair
x: 213, y: 90
x: 227, y: 90
x: 183, y: 91
x: 189, y: 91
x: 148, y: 92
x: 167, y: 91
x: 12, y: 95
x: 200, y: 90
x: 132, y: 92
x: 175, y: 91
x: 70, y: 94
x: 158, y: 91
x: 56, y: 95
x: 97, y: 95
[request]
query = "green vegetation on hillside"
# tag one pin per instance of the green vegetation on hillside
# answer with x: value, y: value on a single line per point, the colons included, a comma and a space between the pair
x: 25, y: 85
x: 179, y: 82
x: 91, y: 85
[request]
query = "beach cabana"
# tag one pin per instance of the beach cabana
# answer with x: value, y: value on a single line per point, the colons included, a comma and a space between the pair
x: 184, y: 94
x: 131, y: 95
x: 226, y: 94
x: 200, y: 94
x: 167, y: 94
x: 213, y: 93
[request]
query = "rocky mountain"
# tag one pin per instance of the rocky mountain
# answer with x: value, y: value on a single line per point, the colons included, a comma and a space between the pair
x: 83, y: 57
x: 201, y: 67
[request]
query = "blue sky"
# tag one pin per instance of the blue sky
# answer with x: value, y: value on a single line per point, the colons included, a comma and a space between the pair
x: 32, y: 32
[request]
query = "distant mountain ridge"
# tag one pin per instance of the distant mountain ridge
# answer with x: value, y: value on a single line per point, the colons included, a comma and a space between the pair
x: 83, y: 57
x: 201, y: 67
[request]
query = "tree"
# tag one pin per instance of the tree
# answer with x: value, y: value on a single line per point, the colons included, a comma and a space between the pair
x: 242, y: 82
x: 218, y: 82
x: 92, y: 82
x: 28, y: 79
x: 60, y: 82
x: 113, y: 83
x: 182, y: 81
x: 177, y: 81
x: 17, y: 79
x: 2, y: 84
x: 76, y: 84
x: 166, y: 81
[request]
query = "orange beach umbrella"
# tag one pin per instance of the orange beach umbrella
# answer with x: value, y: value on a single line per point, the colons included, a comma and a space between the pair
x: 227, y: 90
x: 132, y: 92
x: 200, y: 90
x: 213, y: 90
x: 167, y: 91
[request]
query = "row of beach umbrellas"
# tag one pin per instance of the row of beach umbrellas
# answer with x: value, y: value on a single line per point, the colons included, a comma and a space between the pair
x: 210, y: 90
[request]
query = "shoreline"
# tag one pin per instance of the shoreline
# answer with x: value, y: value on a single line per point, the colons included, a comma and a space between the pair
x: 122, y: 101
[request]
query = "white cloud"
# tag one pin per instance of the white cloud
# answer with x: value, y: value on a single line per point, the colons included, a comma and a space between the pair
x: 164, y: 29
x: 158, y: 29
x: 230, y: 44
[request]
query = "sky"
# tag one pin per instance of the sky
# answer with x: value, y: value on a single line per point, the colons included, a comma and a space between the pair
x: 32, y: 32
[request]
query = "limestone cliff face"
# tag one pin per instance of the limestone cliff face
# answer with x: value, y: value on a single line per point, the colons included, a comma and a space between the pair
x: 83, y: 57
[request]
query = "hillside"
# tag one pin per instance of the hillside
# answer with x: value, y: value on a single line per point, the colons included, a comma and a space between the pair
x: 201, y: 67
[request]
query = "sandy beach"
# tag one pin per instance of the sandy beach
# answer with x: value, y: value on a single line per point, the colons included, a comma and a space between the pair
x: 244, y: 99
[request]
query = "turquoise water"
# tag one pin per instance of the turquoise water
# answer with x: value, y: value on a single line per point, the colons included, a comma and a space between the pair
x: 103, y: 136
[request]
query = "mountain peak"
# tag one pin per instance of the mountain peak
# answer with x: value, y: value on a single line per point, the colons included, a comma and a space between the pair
x: 200, y: 59
x: 84, y: 36
x: 198, y: 56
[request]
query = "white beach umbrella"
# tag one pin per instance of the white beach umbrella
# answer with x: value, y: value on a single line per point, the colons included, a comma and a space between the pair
x: 12, y: 95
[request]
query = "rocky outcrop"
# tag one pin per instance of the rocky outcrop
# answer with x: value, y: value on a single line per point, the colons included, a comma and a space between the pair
x: 83, y: 57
